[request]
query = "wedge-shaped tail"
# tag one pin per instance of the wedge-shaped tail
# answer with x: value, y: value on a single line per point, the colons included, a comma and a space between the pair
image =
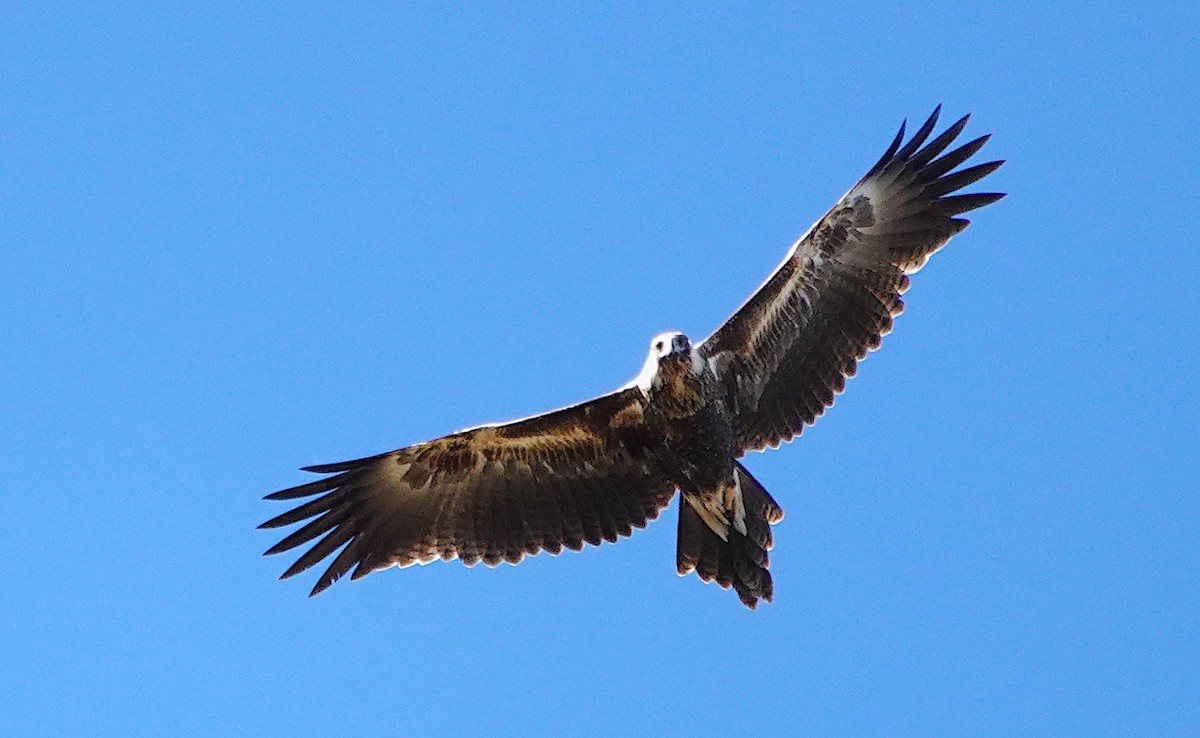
x: 741, y: 562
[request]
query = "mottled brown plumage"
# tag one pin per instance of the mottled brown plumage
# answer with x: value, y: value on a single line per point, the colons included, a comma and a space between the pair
x: 595, y: 471
x: 584, y: 474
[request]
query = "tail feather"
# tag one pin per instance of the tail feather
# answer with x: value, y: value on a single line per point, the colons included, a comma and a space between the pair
x: 741, y: 562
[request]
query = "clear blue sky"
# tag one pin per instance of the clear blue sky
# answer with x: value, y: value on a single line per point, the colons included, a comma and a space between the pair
x: 240, y: 239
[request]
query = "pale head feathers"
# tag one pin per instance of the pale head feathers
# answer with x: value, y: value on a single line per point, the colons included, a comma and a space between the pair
x: 662, y: 347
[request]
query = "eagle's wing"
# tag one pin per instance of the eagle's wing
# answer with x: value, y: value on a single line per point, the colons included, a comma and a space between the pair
x: 787, y: 351
x: 585, y: 473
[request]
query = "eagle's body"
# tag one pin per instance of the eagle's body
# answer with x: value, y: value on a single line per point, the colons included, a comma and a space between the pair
x: 687, y: 404
x: 684, y: 400
x: 594, y: 471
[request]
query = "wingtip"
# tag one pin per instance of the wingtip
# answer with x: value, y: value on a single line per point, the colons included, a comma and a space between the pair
x: 956, y: 128
x: 892, y: 148
x: 932, y: 120
x: 274, y: 550
x: 297, y: 567
x: 320, y: 468
x: 919, y: 137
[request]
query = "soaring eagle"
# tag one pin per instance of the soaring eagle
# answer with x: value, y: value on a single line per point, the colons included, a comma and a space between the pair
x: 594, y: 471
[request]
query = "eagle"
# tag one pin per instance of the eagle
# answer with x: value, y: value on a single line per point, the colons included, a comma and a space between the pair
x: 595, y: 471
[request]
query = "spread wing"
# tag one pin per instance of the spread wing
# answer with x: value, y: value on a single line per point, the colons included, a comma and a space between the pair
x: 787, y: 351
x: 586, y: 473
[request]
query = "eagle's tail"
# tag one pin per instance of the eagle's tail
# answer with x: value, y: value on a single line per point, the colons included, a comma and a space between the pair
x: 742, y: 561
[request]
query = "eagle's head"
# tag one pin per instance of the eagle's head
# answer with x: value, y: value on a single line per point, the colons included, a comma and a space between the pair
x: 670, y: 354
x: 670, y: 346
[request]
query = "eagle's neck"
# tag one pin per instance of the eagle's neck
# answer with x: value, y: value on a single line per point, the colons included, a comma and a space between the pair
x: 655, y: 373
x: 677, y: 388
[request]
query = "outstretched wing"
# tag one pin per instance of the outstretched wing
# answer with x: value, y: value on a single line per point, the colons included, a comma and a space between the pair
x: 787, y: 351
x: 586, y: 473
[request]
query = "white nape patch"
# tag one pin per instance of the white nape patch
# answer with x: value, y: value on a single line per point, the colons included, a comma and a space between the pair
x: 698, y: 364
x: 647, y: 377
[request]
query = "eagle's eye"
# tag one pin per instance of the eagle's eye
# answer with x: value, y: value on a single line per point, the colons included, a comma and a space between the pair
x: 658, y: 345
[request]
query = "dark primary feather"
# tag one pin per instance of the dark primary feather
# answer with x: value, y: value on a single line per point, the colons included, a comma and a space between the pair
x: 788, y: 350
x: 583, y: 474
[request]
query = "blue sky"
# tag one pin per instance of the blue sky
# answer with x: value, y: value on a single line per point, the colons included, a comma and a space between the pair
x: 238, y: 240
